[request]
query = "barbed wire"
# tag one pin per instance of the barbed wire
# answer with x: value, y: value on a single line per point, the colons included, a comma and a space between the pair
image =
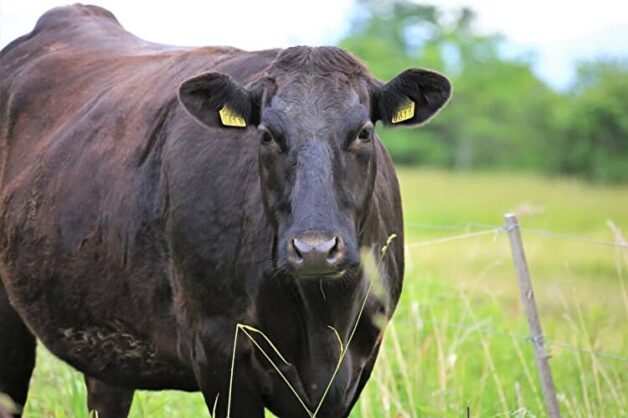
x: 454, y: 238
x: 488, y: 229
x: 583, y: 350
x: 482, y: 327
x: 569, y: 237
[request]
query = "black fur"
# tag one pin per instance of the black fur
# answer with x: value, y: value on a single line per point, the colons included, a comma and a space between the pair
x: 133, y: 239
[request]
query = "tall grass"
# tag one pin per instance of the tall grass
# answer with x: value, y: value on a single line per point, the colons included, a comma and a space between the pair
x: 457, y: 342
x: 465, y: 350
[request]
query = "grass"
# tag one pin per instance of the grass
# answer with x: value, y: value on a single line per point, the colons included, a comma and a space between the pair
x: 457, y: 340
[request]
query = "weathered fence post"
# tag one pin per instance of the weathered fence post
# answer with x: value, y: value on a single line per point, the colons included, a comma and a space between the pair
x: 534, y: 322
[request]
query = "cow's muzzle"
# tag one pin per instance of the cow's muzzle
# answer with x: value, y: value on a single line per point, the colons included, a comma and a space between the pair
x: 316, y: 254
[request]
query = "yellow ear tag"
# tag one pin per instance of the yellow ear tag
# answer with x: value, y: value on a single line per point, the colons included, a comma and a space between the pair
x: 230, y: 118
x: 405, y: 112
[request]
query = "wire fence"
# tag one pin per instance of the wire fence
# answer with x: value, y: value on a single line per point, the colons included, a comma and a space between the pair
x: 476, y: 230
x: 488, y: 229
x: 484, y: 328
x: 454, y: 238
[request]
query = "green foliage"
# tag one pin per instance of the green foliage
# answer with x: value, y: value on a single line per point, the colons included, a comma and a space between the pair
x: 501, y: 115
x: 594, y: 138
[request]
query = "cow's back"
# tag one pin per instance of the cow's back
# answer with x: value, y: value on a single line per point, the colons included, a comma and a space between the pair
x: 79, y: 58
x: 85, y: 107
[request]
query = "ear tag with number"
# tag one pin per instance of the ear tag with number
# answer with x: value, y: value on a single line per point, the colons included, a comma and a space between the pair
x: 230, y: 118
x: 405, y: 112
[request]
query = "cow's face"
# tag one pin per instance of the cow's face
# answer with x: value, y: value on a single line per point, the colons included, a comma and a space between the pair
x: 314, y: 112
x: 317, y: 170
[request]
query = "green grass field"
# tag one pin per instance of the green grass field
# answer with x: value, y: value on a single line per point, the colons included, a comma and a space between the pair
x: 457, y: 340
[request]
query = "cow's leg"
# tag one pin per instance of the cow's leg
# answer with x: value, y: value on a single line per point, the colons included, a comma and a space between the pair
x: 109, y: 401
x: 17, y: 353
x: 243, y: 405
x: 246, y: 400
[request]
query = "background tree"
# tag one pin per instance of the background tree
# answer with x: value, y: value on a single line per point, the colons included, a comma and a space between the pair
x: 593, y: 140
x: 502, y: 116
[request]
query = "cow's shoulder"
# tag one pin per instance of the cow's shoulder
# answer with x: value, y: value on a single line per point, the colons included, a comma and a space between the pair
x: 64, y: 14
x: 60, y: 26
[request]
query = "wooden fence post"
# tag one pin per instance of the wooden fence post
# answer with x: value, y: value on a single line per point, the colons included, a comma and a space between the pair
x: 534, y: 322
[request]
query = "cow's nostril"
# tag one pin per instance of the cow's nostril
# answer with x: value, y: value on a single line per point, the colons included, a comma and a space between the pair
x: 295, y: 245
x: 294, y: 252
x: 334, y: 249
x: 335, y: 253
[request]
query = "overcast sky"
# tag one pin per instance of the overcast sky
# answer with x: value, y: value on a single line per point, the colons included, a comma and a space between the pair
x: 557, y: 32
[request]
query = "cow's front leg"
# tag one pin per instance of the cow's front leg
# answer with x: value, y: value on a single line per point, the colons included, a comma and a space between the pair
x: 244, y: 400
x: 243, y: 404
x: 106, y: 400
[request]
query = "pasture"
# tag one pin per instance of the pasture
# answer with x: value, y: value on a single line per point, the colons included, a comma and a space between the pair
x: 457, y: 341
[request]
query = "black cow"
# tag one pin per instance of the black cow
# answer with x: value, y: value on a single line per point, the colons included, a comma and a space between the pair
x: 154, y: 197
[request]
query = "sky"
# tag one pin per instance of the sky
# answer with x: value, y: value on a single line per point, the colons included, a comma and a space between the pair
x: 555, y: 33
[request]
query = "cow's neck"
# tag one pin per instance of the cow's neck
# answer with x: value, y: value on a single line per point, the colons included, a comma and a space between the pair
x: 325, y: 305
x: 302, y: 319
x: 311, y: 308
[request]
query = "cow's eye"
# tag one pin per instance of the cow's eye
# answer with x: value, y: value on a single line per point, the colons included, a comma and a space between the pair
x: 365, y: 135
x: 268, y: 139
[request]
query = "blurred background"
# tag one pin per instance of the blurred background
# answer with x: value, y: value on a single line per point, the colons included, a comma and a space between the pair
x: 538, y: 126
x: 540, y: 86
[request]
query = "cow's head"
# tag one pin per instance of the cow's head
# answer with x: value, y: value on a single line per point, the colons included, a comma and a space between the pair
x: 314, y: 111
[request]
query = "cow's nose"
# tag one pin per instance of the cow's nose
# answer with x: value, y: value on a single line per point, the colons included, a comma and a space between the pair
x: 316, y: 254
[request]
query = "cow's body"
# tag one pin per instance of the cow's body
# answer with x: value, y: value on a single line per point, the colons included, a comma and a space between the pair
x: 133, y: 239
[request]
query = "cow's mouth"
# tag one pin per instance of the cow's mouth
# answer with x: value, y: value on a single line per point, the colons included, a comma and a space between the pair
x: 330, y: 275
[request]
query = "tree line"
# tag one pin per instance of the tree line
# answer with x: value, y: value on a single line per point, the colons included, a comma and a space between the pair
x: 502, y: 116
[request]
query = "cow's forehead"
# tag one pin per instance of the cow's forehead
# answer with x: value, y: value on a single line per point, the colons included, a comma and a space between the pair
x: 298, y: 118
x: 317, y: 101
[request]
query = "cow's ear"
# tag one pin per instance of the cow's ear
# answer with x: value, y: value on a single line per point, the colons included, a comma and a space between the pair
x: 215, y: 100
x: 411, y: 98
